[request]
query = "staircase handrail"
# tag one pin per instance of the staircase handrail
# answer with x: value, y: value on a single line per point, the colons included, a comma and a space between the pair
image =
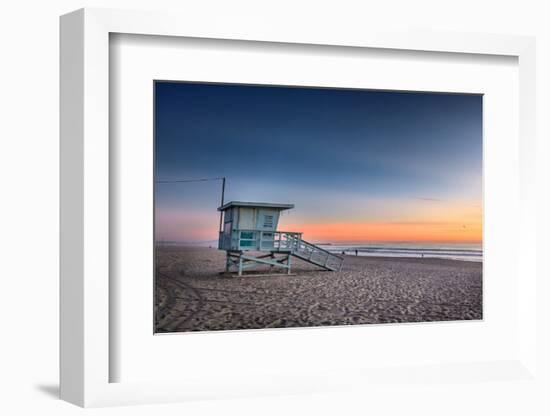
x: 311, y: 244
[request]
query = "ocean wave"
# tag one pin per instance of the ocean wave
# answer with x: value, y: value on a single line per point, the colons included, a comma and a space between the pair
x: 459, y: 252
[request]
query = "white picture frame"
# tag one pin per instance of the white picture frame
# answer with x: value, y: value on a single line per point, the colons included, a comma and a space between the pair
x: 85, y: 219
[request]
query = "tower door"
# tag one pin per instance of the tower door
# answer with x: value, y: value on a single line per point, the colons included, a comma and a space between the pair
x: 246, y: 218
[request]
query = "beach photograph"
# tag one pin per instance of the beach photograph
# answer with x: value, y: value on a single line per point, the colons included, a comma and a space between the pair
x: 293, y: 207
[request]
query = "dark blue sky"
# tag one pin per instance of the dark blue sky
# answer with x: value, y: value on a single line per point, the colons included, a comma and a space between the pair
x: 318, y: 148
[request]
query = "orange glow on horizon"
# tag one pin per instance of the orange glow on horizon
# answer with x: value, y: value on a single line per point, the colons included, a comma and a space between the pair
x: 470, y: 232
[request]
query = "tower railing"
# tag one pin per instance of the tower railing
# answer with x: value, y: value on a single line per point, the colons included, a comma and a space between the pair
x: 292, y: 243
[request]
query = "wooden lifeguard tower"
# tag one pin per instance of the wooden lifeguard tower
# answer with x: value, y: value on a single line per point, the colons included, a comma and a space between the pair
x: 249, y: 227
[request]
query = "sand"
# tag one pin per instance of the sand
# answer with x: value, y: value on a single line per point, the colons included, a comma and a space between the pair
x: 192, y: 296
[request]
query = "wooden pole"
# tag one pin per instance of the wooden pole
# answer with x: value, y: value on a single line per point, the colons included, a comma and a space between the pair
x: 221, y: 205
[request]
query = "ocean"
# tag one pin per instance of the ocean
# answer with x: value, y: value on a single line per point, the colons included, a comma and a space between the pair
x: 454, y: 251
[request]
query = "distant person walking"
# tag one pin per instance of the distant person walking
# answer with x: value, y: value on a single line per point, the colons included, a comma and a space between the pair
x: 356, y: 252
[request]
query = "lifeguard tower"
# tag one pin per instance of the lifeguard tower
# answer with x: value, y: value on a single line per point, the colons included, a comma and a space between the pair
x: 250, y: 237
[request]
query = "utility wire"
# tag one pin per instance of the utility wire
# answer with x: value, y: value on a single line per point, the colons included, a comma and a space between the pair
x: 221, y: 178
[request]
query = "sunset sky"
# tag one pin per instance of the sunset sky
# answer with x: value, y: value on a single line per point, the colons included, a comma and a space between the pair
x: 359, y: 166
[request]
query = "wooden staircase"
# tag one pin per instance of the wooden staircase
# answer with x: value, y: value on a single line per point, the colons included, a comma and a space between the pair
x: 293, y: 243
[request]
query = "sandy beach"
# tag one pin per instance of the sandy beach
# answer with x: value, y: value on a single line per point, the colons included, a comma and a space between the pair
x: 192, y: 296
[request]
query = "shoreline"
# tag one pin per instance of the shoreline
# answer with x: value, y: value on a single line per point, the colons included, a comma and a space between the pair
x: 400, y: 258
x: 191, y: 247
x: 410, y: 258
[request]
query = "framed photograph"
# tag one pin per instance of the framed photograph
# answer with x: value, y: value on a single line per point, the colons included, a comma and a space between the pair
x: 391, y: 232
x: 271, y: 212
